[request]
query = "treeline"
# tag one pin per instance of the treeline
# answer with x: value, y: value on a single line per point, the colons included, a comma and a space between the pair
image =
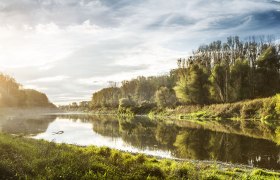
x: 230, y: 71
x: 219, y: 72
x: 13, y: 95
x: 74, y: 106
x: 138, y: 91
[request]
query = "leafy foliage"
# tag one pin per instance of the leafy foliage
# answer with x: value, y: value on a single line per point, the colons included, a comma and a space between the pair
x: 138, y: 90
x: 193, y: 87
x: 13, y: 95
x: 164, y: 97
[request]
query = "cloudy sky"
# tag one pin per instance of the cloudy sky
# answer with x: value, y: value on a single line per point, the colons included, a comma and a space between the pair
x: 70, y: 48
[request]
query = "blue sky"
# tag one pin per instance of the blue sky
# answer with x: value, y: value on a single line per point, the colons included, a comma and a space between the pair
x: 70, y: 48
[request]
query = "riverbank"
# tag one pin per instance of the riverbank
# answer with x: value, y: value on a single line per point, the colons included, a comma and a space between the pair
x: 23, y: 158
x: 262, y: 109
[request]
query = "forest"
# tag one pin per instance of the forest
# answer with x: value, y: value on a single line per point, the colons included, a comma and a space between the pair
x: 219, y: 72
x: 13, y: 95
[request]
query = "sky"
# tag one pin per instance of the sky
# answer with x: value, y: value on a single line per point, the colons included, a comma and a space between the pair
x: 69, y: 49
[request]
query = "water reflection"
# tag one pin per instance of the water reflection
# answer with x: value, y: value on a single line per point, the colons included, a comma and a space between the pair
x: 81, y: 133
x: 25, y: 125
x: 246, y: 142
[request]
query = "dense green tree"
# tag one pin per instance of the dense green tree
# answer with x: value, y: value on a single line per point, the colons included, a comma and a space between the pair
x: 141, y: 90
x: 107, y: 97
x: 144, y: 90
x: 36, y: 99
x: 193, y: 86
x: 239, y: 81
x: 219, y: 80
x: 13, y: 95
x: 9, y: 91
x: 266, y: 76
x: 165, y: 97
x: 126, y: 103
x: 128, y: 88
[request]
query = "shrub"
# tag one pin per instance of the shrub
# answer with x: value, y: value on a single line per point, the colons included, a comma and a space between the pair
x: 140, y: 158
x: 277, y: 105
x: 154, y: 171
x: 104, y: 151
x: 165, y: 97
x: 126, y: 103
x: 268, y: 111
x: 250, y: 109
x: 126, y: 106
x: 181, y: 172
x: 144, y: 107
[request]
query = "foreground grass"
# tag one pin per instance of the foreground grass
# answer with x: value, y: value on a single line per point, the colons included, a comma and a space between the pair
x: 23, y: 158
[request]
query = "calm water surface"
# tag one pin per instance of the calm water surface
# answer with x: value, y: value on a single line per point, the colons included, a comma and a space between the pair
x: 247, y: 142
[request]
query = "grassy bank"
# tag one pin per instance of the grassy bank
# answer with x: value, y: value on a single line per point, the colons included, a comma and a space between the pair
x: 31, y: 159
x: 264, y: 109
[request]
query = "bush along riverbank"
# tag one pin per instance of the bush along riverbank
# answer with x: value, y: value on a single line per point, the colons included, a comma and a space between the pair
x: 23, y: 158
x: 263, y: 109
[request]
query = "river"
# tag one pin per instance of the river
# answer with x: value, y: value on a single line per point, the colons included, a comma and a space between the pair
x: 239, y: 142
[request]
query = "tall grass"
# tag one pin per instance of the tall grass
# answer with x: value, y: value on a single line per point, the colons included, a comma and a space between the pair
x: 263, y: 109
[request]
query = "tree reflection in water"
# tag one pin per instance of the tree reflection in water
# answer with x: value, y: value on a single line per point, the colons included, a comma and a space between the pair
x: 243, y: 142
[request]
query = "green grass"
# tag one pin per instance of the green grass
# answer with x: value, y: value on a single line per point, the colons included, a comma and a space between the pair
x: 262, y: 109
x: 23, y: 158
x: 196, y: 115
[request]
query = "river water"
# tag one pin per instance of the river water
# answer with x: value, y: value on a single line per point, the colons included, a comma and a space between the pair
x: 247, y: 142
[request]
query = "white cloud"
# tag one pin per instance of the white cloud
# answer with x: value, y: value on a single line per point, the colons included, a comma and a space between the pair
x: 49, y: 79
x: 43, y: 43
x: 92, y: 42
x: 38, y: 88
